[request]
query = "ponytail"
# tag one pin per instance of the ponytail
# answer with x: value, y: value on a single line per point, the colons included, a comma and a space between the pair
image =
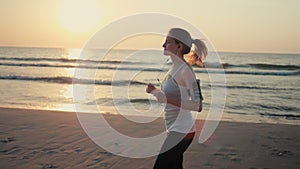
x: 198, y: 53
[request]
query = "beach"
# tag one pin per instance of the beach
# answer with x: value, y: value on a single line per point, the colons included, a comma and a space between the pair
x: 53, y: 139
x: 75, y: 81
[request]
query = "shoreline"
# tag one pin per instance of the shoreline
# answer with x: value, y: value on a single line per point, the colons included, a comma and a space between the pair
x: 200, y: 116
x: 55, y: 139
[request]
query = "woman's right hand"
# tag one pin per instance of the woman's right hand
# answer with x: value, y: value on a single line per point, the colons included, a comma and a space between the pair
x: 160, y: 96
x: 150, y: 88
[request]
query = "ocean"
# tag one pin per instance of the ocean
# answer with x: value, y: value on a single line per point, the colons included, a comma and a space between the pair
x: 260, y: 87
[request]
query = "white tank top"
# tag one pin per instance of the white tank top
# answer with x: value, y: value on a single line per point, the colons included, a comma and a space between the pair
x: 176, y: 118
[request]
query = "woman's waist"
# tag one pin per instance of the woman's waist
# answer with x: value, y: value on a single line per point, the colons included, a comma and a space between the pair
x: 172, y: 109
x: 185, y: 136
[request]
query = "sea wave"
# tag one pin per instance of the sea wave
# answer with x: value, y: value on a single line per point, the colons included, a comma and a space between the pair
x: 286, y: 116
x: 207, y: 64
x: 272, y: 88
x: 270, y: 73
x: 81, y: 67
x: 109, y: 101
x: 276, y: 73
x: 262, y: 66
x: 66, y: 60
x: 70, y: 80
x: 279, y: 70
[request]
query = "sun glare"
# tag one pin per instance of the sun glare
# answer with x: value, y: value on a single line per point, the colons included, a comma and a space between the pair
x: 79, y: 16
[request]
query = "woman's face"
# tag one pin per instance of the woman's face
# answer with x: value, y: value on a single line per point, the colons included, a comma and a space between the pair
x: 170, y: 46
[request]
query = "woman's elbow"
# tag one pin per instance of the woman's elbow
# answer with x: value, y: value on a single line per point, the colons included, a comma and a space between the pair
x: 197, y: 106
x: 200, y: 107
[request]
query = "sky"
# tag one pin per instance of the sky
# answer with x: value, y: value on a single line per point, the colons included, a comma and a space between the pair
x: 230, y: 25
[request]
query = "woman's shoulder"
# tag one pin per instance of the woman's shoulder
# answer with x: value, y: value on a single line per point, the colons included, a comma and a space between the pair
x: 187, y: 72
x: 185, y: 76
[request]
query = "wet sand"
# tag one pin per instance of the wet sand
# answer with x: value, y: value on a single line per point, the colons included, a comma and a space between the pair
x: 51, y: 139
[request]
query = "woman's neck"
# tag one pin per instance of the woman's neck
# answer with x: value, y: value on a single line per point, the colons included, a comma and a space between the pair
x: 177, y: 61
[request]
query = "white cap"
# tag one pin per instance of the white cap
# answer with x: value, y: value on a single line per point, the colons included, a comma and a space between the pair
x: 181, y: 35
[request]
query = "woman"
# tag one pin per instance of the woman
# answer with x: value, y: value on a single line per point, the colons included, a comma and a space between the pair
x: 181, y: 94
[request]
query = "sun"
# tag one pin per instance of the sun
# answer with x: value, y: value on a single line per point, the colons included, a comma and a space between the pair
x: 79, y: 16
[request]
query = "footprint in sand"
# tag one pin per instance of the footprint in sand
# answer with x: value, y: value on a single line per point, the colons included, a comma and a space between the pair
x: 7, y: 140
x: 50, y: 150
x: 105, y: 165
x: 228, y: 152
x: 78, y: 150
x: 10, y: 149
x: 281, y: 153
x: 277, y: 152
x: 106, y: 153
x: 49, y: 166
x: 95, y: 161
x: 30, y: 154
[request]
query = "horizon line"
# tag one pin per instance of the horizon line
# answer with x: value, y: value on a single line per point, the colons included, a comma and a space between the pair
x: 221, y: 51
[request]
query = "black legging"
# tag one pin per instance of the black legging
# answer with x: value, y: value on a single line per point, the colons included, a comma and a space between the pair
x: 171, y: 153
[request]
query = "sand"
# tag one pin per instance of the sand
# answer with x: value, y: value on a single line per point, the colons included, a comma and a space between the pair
x: 51, y: 139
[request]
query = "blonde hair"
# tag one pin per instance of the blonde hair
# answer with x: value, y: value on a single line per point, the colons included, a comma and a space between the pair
x: 197, y: 54
x: 194, y: 50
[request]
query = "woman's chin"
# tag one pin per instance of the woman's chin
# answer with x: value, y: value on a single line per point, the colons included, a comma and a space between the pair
x: 167, y: 53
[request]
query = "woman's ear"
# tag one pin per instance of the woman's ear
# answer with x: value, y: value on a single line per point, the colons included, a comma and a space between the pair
x: 180, y: 47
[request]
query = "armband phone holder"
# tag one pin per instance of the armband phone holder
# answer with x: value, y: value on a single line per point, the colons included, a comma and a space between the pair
x: 197, y: 94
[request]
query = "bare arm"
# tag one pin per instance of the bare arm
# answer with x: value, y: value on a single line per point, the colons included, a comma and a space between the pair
x: 185, y: 104
x: 184, y: 80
